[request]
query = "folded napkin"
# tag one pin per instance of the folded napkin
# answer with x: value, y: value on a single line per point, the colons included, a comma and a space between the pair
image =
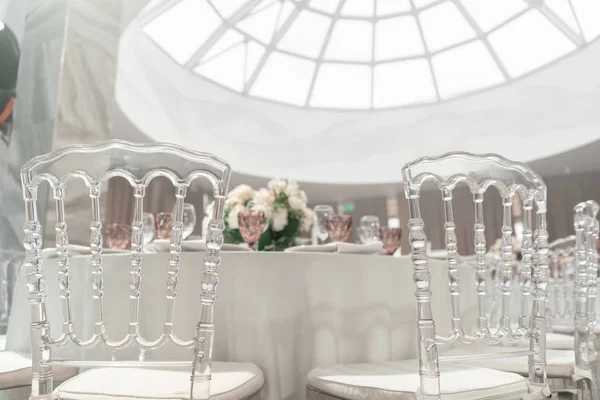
x: 339, y: 247
x: 353, y: 248
x: 163, y: 246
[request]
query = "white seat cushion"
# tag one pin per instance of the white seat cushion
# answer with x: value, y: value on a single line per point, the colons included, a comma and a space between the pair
x: 230, y: 381
x: 560, y: 363
x: 399, y: 380
x: 570, y: 329
x: 559, y: 341
x: 15, y: 370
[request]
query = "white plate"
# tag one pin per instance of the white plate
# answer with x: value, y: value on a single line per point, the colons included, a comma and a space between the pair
x: 163, y: 246
x: 313, y: 248
x: 342, y: 248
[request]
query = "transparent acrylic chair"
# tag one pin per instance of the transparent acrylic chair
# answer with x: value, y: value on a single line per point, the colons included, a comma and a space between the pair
x: 571, y: 356
x: 425, y: 378
x: 136, y: 378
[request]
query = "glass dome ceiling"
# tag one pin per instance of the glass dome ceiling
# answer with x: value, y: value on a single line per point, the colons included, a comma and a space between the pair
x: 367, y: 54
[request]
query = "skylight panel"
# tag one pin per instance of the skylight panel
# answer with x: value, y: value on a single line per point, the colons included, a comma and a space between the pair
x: 443, y: 26
x: 178, y: 31
x: 528, y: 43
x: 227, y: 8
x: 226, y: 68
x: 588, y: 14
x: 467, y: 68
x: 402, y: 83
x: 306, y: 35
x: 397, y: 37
x: 390, y: 7
x: 490, y: 14
x: 351, y: 40
x: 284, y: 78
x: 261, y: 25
x: 328, y: 6
x: 359, y: 8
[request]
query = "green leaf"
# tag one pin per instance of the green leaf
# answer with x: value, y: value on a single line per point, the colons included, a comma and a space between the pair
x: 265, y: 240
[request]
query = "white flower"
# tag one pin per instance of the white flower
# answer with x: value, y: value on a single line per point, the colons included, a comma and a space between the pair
x: 280, y: 219
x: 242, y: 192
x: 292, y: 189
x: 262, y: 207
x: 296, y: 203
x: 307, y: 219
x: 232, y: 201
x: 303, y: 196
x: 277, y: 186
x: 263, y: 197
x: 232, y: 218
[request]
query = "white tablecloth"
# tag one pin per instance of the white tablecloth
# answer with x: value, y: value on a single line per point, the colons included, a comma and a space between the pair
x: 288, y: 313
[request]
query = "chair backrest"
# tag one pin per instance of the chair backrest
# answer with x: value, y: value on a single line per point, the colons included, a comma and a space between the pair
x: 138, y: 164
x: 561, y: 260
x: 480, y: 172
x: 586, y: 281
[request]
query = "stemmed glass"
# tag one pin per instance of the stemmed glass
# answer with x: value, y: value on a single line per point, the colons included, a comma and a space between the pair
x: 390, y: 237
x: 148, y: 220
x: 339, y: 228
x: 321, y: 215
x: 189, y: 220
x: 252, y: 224
x: 118, y: 236
x: 164, y: 225
x: 368, y: 231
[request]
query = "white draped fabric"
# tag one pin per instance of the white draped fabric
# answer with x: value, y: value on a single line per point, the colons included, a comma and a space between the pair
x: 287, y: 313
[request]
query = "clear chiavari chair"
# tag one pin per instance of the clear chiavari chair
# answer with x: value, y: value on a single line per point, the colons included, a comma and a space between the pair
x: 138, y: 376
x: 569, y: 357
x: 455, y: 377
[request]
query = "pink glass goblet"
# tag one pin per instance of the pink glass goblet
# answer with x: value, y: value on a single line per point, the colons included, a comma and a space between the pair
x: 390, y: 237
x: 164, y: 225
x: 339, y: 228
x: 118, y: 236
x: 252, y: 224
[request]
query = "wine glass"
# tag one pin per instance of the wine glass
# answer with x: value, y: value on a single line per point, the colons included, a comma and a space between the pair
x: 189, y: 220
x: 321, y: 215
x: 339, y: 228
x: 390, y: 237
x: 148, y: 220
x: 252, y: 224
x: 368, y: 231
x: 164, y: 225
x: 118, y: 236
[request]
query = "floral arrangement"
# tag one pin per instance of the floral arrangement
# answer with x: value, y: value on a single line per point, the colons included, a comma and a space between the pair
x: 283, y: 203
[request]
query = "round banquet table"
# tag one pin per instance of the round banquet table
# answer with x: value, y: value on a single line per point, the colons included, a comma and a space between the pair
x: 285, y: 312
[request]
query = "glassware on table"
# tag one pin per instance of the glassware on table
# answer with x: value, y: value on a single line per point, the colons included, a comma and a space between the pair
x: 189, y: 220
x: 390, y: 237
x: 148, y: 220
x: 252, y: 224
x: 164, y: 225
x: 118, y: 236
x: 321, y: 214
x: 368, y: 231
x: 339, y: 228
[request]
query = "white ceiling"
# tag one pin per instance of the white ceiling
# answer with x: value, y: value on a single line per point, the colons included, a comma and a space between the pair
x: 543, y: 114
